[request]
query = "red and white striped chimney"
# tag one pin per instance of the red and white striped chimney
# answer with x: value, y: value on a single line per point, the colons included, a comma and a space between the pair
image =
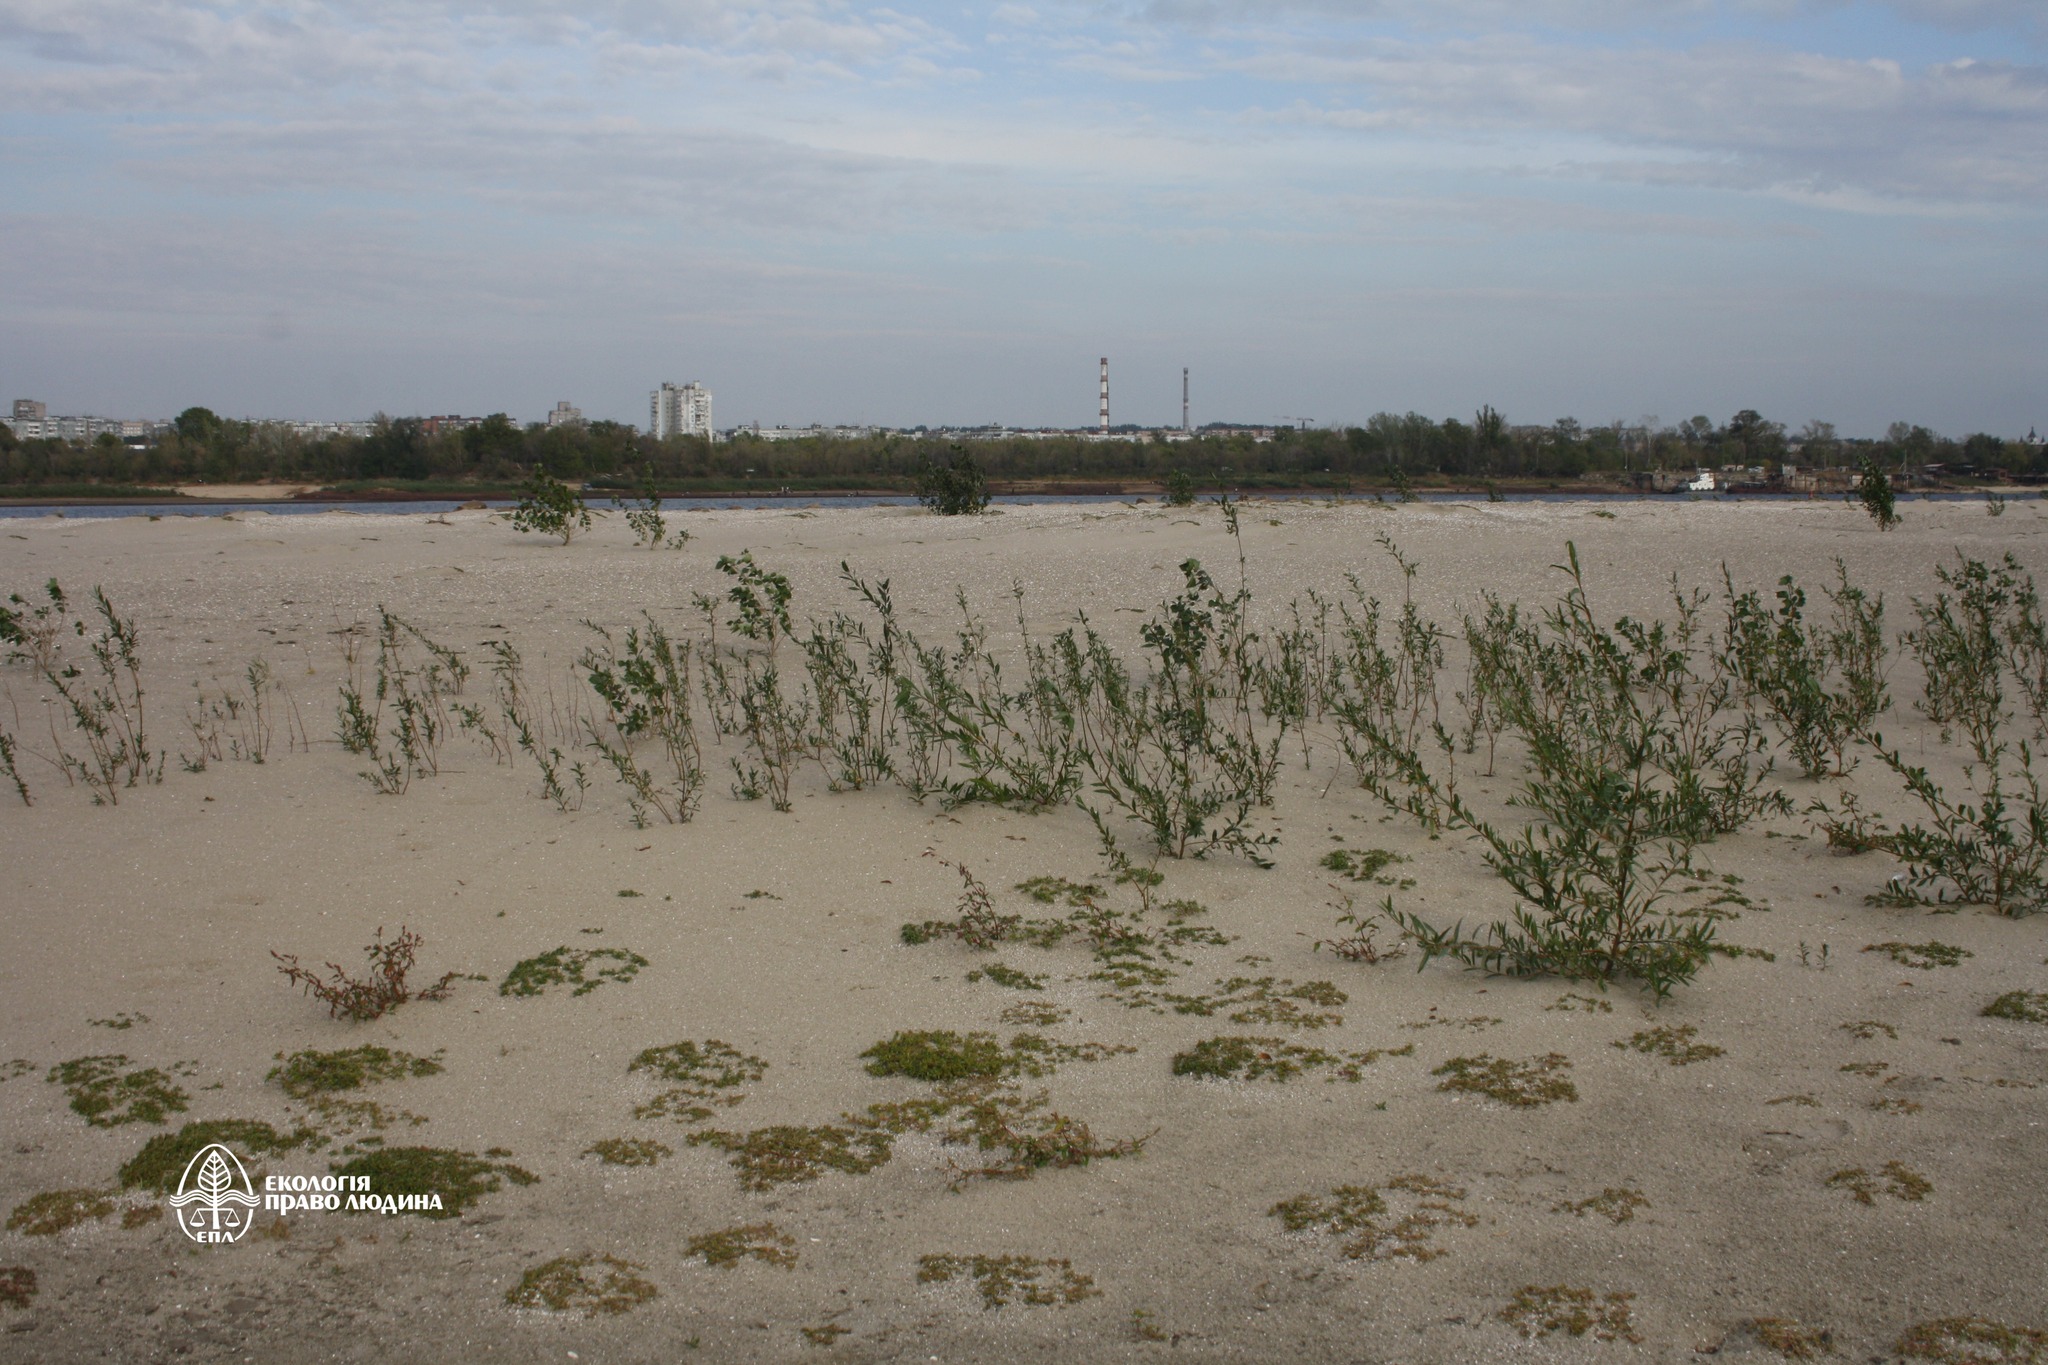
x: 1105, y: 395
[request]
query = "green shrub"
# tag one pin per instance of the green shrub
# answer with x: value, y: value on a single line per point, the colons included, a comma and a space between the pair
x: 953, y: 487
x: 551, y: 507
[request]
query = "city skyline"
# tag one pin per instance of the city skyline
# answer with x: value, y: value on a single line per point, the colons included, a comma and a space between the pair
x: 850, y: 214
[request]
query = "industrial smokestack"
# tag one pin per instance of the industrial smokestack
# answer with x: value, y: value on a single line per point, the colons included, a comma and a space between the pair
x: 1105, y: 395
x: 1184, y: 399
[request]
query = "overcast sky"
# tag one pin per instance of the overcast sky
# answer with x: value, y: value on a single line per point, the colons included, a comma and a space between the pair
x: 846, y: 212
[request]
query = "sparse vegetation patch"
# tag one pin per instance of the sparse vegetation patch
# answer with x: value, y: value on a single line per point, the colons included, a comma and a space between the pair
x: 107, y: 1094
x: 1006, y: 1279
x: 163, y: 1158
x: 55, y: 1211
x: 1617, y: 1204
x: 460, y: 1178
x: 308, y: 1073
x: 1674, y: 1044
x: 705, y: 1074
x: 2024, y: 1007
x: 942, y: 1056
x: 1362, y: 1215
x: 1896, y: 1179
x: 762, y: 1242
x: 591, y: 1284
x: 371, y: 996
x: 1539, y: 1080
x: 1233, y: 1057
x: 1973, y: 1341
x: 1923, y: 957
x: 1539, y: 1311
x: 628, y: 1151
x: 584, y: 968
x: 17, y: 1286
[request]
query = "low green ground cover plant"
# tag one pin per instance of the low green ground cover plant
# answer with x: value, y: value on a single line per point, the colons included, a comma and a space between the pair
x: 2024, y: 1007
x: 55, y: 1211
x: 1545, y: 1310
x: 107, y: 1093
x: 1029, y: 1280
x: 727, y: 1247
x: 1254, y: 1058
x: 704, y: 1077
x: 1674, y: 1043
x: 940, y: 1055
x: 1524, y: 1084
x: 1923, y: 957
x: 310, y: 1072
x: 584, y: 969
x: 163, y: 1159
x: 592, y: 1285
x: 1894, y: 1178
x: 1617, y: 1204
x: 1370, y: 1228
x: 460, y: 1178
x: 1972, y: 1341
x: 628, y: 1151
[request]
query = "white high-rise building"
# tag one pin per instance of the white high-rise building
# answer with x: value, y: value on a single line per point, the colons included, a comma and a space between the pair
x: 681, y: 410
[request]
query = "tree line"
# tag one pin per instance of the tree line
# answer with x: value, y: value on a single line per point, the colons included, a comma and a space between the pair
x: 1388, y: 450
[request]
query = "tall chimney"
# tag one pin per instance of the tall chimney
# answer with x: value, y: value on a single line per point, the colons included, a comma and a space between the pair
x: 1184, y: 399
x: 1105, y: 395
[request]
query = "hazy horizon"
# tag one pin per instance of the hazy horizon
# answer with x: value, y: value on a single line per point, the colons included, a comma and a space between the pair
x: 860, y: 214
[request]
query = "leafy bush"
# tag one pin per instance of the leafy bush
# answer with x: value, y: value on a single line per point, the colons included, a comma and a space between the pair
x: 953, y: 487
x: 1874, y: 490
x: 372, y: 996
x: 549, y: 506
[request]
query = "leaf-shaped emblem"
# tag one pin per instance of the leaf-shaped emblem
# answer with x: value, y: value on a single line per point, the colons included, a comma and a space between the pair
x: 214, y: 1179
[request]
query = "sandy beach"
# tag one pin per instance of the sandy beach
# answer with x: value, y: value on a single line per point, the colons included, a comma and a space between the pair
x: 1680, y: 1203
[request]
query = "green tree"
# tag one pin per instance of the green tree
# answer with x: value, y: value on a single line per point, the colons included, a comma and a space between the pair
x: 551, y: 507
x: 1874, y: 491
x: 954, y: 487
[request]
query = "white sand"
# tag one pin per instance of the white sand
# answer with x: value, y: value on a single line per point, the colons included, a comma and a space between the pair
x: 168, y: 904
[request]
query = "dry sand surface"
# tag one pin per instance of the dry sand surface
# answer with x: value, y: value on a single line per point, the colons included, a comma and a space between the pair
x: 778, y: 935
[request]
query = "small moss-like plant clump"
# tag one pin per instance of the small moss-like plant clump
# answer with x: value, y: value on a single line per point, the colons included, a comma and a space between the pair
x: 1863, y: 1030
x: 2023, y: 1007
x: 460, y: 1178
x: 20, y: 1066
x: 1539, y: 1080
x: 1924, y: 957
x: 1274, y: 1059
x: 1361, y: 865
x: 1973, y: 1341
x: 1008, y: 977
x: 938, y: 1055
x: 108, y: 1096
x: 1035, y: 1014
x: 1900, y: 1181
x: 581, y: 967
x: 1789, y: 1338
x: 628, y: 1151
x: 309, y: 1073
x: 17, y: 1286
x: 54, y: 1211
x: 1617, y: 1204
x: 705, y: 1075
x: 121, y: 1022
x: 1002, y: 1279
x: 1362, y: 1215
x: 727, y: 1247
x: 1274, y: 1002
x: 942, y: 1056
x: 789, y: 1155
x: 1674, y: 1045
x: 1590, y: 1004
x: 163, y: 1159
x: 592, y: 1284
x: 1539, y: 1311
